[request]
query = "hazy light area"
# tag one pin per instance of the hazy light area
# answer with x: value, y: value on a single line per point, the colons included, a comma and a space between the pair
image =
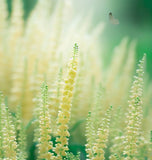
x: 135, y: 19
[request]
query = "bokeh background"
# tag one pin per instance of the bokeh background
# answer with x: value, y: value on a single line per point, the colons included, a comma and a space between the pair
x: 135, y: 17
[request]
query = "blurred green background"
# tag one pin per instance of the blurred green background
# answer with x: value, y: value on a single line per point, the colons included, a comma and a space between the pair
x: 135, y: 18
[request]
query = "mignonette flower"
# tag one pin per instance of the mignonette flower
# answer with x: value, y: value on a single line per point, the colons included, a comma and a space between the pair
x: 44, y: 143
x: 8, y: 146
x: 102, y: 137
x: 95, y: 150
x: 135, y: 115
x: 21, y: 137
x: 65, y: 108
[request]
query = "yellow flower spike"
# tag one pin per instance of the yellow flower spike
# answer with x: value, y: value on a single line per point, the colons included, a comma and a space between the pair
x: 95, y: 150
x: 21, y: 137
x: 65, y: 108
x: 135, y: 115
x: 90, y: 137
x: 102, y: 136
x: 9, y: 144
x: 44, y: 144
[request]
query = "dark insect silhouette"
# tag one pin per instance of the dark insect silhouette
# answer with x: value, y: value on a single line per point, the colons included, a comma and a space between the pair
x: 112, y: 19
